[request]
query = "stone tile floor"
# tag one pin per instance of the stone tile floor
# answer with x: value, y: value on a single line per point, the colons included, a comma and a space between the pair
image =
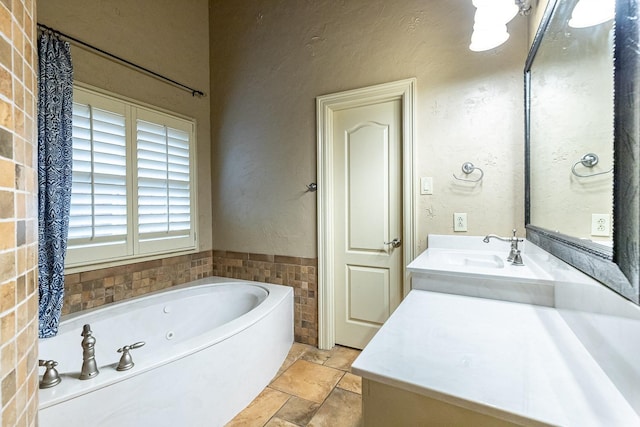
x: 312, y: 388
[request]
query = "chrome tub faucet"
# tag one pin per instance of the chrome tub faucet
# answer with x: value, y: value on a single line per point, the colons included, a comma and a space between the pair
x: 514, y: 257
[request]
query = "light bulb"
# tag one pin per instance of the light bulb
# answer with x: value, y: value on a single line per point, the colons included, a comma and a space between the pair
x: 487, y: 39
x: 588, y: 13
x: 502, y: 11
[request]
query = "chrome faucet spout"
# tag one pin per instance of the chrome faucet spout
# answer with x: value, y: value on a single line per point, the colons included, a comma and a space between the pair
x: 514, y: 254
x: 493, y: 236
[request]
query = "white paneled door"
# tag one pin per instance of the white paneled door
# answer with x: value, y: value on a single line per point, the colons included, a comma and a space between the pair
x: 367, y: 196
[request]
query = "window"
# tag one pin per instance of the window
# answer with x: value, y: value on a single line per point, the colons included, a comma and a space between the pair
x: 133, y: 181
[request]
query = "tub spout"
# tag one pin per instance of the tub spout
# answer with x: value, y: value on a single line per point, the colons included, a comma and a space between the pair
x: 89, y: 365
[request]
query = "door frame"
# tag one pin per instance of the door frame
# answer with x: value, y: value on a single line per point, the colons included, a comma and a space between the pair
x: 405, y: 91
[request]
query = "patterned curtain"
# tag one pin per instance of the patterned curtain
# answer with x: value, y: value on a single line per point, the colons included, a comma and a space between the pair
x: 55, y: 103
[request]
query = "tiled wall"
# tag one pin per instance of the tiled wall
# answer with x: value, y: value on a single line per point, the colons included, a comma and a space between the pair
x: 99, y: 287
x: 18, y: 215
x: 299, y: 273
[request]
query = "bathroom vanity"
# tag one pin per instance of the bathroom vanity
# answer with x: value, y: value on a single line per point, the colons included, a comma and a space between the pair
x: 479, y: 342
x: 444, y: 359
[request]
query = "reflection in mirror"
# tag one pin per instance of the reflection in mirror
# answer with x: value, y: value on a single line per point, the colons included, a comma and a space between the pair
x: 577, y: 97
x: 571, y: 125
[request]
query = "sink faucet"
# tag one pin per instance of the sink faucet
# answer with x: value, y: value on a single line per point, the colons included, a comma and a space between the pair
x: 89, y: 365
x: 514, y: 257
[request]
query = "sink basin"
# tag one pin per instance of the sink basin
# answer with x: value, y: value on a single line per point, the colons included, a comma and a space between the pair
x: 467, y: 266
x: 469, y: 259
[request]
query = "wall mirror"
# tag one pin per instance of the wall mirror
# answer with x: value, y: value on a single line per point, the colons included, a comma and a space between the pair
x: 581, y: 126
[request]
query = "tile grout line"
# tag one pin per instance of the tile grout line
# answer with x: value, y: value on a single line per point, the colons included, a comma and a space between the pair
x: 293, y: 395
x: 281, y: 406
x: 309, y: 354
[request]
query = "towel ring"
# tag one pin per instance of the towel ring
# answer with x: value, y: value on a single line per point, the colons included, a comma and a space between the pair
x: 589, y: 160
x: 467, y: 168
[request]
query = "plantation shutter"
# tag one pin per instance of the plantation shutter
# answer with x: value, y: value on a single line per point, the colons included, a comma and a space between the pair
x: 164, y: 181
x: 133, y: 181
x: 99, y: 191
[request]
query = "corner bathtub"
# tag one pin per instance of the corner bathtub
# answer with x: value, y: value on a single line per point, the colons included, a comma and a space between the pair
x: 211, y: 347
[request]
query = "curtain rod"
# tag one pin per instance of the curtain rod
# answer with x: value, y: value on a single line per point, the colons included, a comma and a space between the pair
x: 194, y: 92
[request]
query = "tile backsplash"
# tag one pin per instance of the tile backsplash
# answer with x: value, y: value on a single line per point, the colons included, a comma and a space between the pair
x: 98, y: 287
x: 299, y: 273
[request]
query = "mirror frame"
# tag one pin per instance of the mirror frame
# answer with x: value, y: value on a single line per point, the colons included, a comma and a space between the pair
x: 617, y: 269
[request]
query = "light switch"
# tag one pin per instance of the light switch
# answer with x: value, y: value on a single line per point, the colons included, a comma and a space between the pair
x: 426, y: 185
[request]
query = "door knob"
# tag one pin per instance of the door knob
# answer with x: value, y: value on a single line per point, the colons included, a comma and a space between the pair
x: 395, y: 243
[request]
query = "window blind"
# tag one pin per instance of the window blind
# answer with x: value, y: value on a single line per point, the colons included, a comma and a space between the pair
x: 99, y: 191
x: 164, y: 196
x: 133, y: 181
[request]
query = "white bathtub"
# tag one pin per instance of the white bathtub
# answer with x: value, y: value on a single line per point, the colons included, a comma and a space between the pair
x: 211, y: 347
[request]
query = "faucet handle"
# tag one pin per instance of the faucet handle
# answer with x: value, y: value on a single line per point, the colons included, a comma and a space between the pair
x: 126, y: 361
x: 131, y: 346
x: 515, y: 238
x: 51, y: 377
x: 517, y: 258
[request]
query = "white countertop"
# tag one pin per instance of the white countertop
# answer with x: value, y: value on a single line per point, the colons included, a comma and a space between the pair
x: 518, y: 362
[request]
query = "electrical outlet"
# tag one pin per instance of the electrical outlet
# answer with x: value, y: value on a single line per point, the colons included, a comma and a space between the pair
x: 459, y: 222
x: 426, y: 185
x: 601, y: 225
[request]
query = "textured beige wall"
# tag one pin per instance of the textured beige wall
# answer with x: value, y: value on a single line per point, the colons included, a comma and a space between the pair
x: 168, y: 37
x: 271, y: 59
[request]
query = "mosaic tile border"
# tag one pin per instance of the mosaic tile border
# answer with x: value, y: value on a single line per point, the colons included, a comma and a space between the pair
x: 98, y: 287
x: 299, y: 273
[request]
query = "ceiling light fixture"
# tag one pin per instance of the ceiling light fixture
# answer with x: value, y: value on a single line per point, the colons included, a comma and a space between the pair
x: 487, y: 39
x: 491, y: 19
x: 524, y: 6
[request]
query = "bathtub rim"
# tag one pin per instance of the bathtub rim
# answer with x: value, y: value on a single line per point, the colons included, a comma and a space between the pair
x: 213, y: 280
x: 276, y: 296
